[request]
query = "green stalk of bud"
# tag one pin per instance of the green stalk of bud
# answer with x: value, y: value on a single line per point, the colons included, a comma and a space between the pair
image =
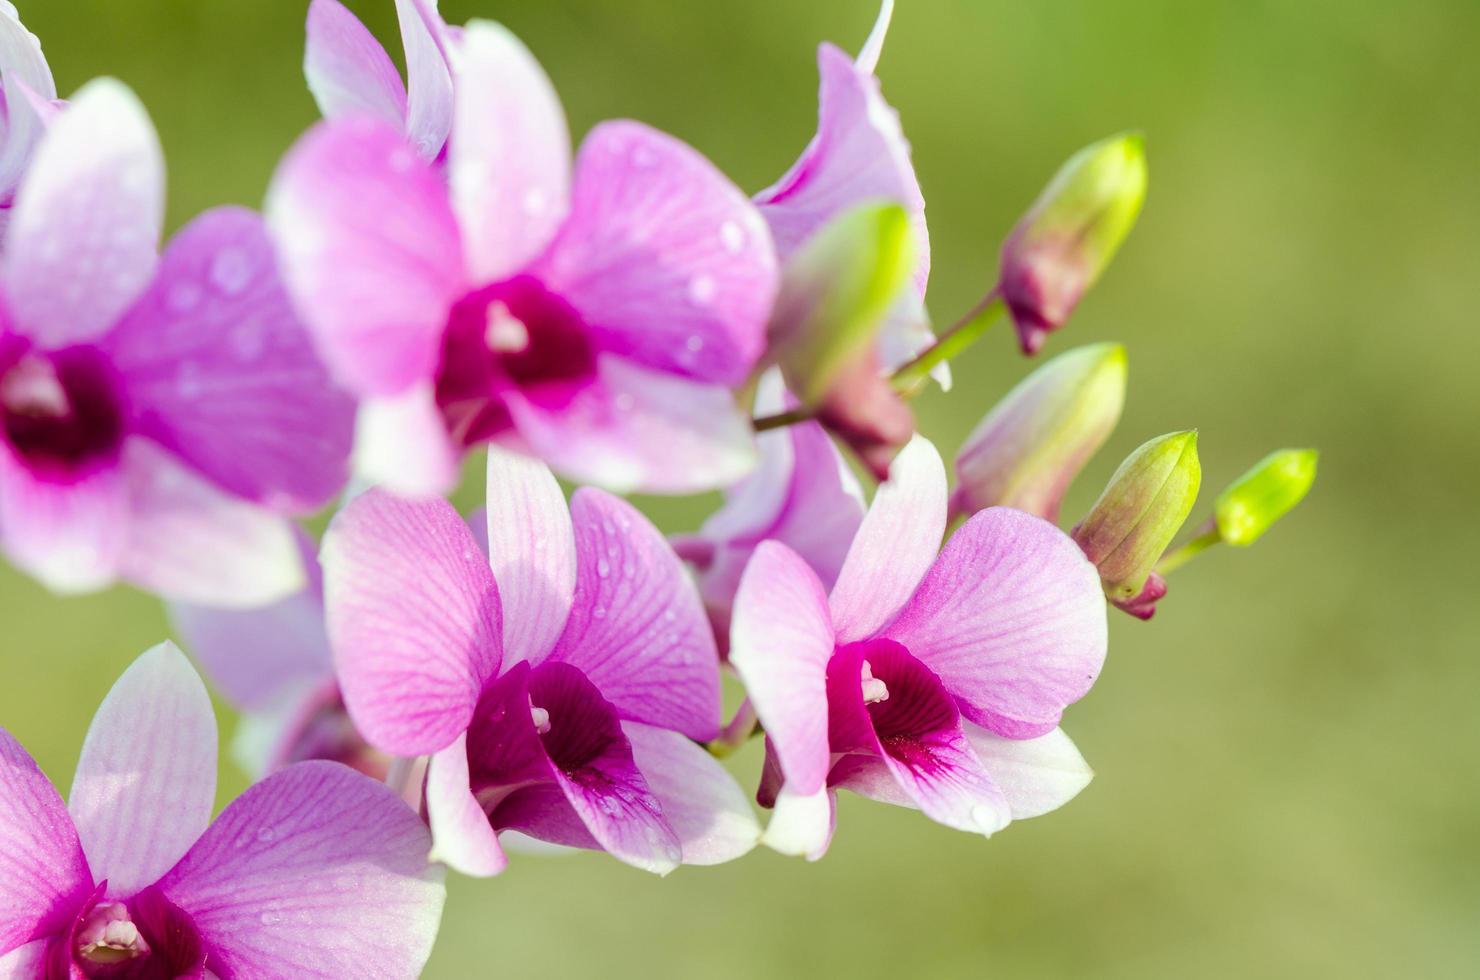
x: 1142, y: 509
x: 1070, y: 234
x: 1255, y: 501
x: 1032, y: 445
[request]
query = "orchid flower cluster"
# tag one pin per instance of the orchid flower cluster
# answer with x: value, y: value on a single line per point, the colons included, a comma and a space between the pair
x: 438, y: 273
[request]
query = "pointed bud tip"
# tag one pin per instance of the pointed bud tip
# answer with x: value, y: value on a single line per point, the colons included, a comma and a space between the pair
x: 1253, y: 503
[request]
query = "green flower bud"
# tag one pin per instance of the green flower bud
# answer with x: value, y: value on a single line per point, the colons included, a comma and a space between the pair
x: 1269, y: 491
x: 1029, y: 448
x: 1070, y: 234
x: 1140, y: 512
x: 835, y: 294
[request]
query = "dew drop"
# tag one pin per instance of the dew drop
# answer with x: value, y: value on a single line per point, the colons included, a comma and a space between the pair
x: 231, y: 271
x: 643, y: 158
x: 270, y: 918
x: 535, y: 201
x: 733, y: 237
x: 986, y: 818
x: 599, y: 612
x: 694, y: 344
x: 603, y: 568
x: 266, y: 835
x: 702, y: 289
x: 183, y: 297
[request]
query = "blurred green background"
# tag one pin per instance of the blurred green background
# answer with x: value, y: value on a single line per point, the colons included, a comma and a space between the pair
x: 1288, y: 756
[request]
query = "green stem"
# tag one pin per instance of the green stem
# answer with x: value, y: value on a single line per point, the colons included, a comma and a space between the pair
x: 741, y: 729
x: 910, y: 378
x: 1174, y: 560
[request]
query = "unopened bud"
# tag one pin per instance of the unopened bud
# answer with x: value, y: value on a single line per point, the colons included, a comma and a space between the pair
x: 1259, y: 498
x: 863, y: 410
x: 1143, y: 604
x: 835, y: 294
x: 1029, y: 448
x: 1140, y: 512
x: 1070, y: 234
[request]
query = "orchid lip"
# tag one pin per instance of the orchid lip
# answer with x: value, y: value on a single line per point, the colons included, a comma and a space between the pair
x: 62, y: 412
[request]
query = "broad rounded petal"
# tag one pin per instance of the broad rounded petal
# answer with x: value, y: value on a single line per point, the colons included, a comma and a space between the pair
x: 26, y: 962
x: 915, y: 731
x: 664, y: 256
x: 429, y: 80
x: 781, y: 639
x: 150, y: 752
x: 859, y: 154
x: 1037, y: 775
x: 532, y: 548
x: 1012, y: 618
x: 370, y: 252
x: 44, y: 877
x: 348, y: 71
x: 636, y: 627
x: 701, y: 801
x: 802, y: 824
x: 641, y: 430
x: 189, y: 541
x: 254, y: 656
x: 413, y: 617
x: 220, y: 370
x: 895, y: 544
x: 84, y: 232
x: 70, y: 536
x: 317, y: 872
x: 510, y: 163
x: 463, y: 839
x: 401, y: 443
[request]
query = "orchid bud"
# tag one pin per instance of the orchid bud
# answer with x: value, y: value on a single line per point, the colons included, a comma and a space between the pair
x: 835, y: 294
x: 1035, y: 441
x: 1069, y: 235
x: 1140, y: 512
x: 1259, y: 498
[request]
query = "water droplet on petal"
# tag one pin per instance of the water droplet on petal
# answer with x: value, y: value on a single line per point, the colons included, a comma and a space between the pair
x: 266, y: 835
x: 271, y: 918
x: 702, y: 289
x: 643, y: 157
x: 183, y: 297
x: 231, y: 271
x: 733, y: 237
x: 986, y: 817
x: 603, y: 568
x: 535, y: 201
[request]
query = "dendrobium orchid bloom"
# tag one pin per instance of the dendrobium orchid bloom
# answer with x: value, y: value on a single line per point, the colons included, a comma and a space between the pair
x: 158, y: 415
x: 801, y: 494
x: 317, y: 872
x: 27, y: 102
x: 596, y: 320
x: 559, y: 692
x: 273, y: 665
x: 350, y: 74
x: 859, y: 154
x: 924, y: 680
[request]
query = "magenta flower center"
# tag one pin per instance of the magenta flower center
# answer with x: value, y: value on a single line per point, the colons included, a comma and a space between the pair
x: 145, y: 938
x: 61, y: 412
x: 514, y: 336
x: 879, y: 684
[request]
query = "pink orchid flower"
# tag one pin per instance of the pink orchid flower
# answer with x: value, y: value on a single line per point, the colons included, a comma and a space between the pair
x: 801, y: 494
x: 927, y: 680
x: 350, y: 74
x: 27, y: 101
x: 597, y: 320
x: 859, y: 154
x: 318, y: 872
x: 158, y: 415
x: 273, y: 665
x: 559, y: 689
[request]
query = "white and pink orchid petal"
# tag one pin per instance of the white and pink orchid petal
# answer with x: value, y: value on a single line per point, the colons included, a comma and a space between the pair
x: 664, y: 257
x: 1037, y: 775
x: 636, y: 626
x: 317, y: 872
x: 146, y: 781
x: 510, y: 163
x: 44, y: 877
x: 401, y: 443
x: 914, y: 729
x: 781, y: 639
x: 532, y: 549
x: 428, y: 78
x: 370, y: 252
x: 190, y: 541
x: 29, y: 961
x: 20, y: 54
x: 349, y: 72
x: 84, y: 232
x: 802, y: 824
x: 1012, y: 619
x: 636, y: 429
x: 414, y: 620
x: 256, y: 656
x: 71, y: 534
x: 897, y: 541
x: 220, y: 370
x: 701, y: 801
x: 463, y: 839
x: 25, y: 120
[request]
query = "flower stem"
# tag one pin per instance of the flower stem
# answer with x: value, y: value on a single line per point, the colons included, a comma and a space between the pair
x: 909, y: 379
x: 404, y: 779
x: 741, y: 729
x: 1204, y: 540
